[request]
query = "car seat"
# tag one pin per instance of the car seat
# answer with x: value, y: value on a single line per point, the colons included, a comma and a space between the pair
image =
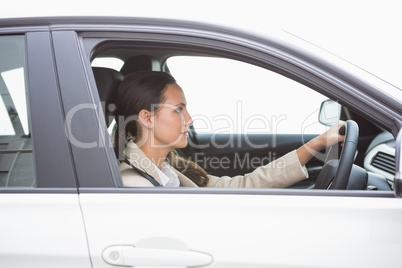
x: 107, y: 82
x: 139, y: 63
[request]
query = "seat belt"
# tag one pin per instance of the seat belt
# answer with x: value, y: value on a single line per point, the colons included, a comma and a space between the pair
x: 144, y: 174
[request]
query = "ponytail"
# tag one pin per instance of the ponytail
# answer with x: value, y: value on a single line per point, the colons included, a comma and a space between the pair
x: 190, y: 169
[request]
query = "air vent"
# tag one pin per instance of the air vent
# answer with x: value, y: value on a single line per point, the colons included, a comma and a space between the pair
x: 385, y: 162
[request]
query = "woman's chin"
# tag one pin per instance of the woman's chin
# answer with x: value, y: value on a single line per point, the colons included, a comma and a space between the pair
x: 182, y: 143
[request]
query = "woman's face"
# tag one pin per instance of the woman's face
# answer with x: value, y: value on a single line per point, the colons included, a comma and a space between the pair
x: 172, y: 120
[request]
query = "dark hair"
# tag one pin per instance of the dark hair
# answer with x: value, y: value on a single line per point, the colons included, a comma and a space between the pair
x: 145, y: 90
x: 138, y: 91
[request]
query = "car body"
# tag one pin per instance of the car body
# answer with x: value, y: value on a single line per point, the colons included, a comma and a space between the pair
x: 62, y: 202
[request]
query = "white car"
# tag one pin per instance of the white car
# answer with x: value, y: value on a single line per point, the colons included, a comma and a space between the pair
x: 254, y: 98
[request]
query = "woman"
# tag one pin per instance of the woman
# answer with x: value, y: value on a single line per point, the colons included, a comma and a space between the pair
x: 152, y: 121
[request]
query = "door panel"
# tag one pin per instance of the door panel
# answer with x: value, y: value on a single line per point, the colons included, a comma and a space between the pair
x: 41, y: 221
x: 247, y: 230
x: 42, y: 230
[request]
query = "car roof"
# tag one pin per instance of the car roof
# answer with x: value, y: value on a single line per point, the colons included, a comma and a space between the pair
x: 275, y: 37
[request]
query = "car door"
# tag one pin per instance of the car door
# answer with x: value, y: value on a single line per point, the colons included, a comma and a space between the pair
x: 41, y: 222
x: 240, y: 229
x: 149, y: 227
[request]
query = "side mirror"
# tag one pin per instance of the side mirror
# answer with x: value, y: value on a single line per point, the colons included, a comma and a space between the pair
x: 330, y: 112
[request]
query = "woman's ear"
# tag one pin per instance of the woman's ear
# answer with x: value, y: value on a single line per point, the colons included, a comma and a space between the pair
x: 145, y: 118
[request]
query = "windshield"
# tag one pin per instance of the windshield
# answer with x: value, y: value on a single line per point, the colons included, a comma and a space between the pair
x: 362, y: 74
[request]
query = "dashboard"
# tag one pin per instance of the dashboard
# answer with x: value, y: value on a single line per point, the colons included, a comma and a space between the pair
x: 380, y: 156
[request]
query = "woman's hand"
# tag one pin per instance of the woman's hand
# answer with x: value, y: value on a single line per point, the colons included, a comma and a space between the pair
x: 326, y: 139
x: 331, y: 136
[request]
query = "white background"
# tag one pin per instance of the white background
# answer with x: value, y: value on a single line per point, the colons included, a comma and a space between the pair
x: 365, y: 32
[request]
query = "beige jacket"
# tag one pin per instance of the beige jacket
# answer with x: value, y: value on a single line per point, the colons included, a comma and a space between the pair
x: 280, y: 173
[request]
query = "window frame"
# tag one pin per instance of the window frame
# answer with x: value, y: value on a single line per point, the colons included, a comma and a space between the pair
x: 52, y: 161
x: 327, y: 82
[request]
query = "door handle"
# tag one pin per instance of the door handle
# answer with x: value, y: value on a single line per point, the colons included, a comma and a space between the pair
x: 129, y: 255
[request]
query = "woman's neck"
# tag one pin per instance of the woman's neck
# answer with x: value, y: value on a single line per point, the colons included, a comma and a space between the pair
x: 156, y: 155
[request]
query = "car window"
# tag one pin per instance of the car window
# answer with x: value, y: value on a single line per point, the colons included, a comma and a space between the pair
x: 108, y: 62
x: 259, y: 101
x: 16, y: 160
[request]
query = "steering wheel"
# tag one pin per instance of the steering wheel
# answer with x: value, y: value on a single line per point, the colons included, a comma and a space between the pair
x: 335, y: 173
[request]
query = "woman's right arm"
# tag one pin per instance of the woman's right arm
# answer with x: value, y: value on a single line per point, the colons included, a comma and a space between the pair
x: 280, y: 173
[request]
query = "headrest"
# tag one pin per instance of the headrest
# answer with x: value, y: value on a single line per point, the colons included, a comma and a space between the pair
x: 137, y: 63
x: 107, y: 81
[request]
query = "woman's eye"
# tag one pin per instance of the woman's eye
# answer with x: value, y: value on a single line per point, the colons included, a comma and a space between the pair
x: 179, y: 110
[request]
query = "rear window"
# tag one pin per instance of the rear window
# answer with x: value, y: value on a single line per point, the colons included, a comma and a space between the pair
x: 16, y: 159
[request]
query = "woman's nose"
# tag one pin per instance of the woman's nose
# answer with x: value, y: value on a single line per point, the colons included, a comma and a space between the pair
x: 189, y: 120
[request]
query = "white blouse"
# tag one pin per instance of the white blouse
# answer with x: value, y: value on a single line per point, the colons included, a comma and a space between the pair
x: 168, y: 177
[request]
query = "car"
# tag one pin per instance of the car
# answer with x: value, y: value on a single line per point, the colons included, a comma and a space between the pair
x: 254, y: 98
